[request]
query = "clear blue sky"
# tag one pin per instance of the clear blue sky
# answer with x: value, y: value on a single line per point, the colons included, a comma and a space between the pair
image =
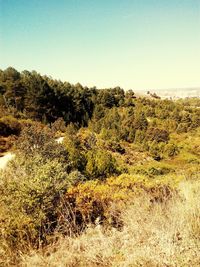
x: 136, y: 44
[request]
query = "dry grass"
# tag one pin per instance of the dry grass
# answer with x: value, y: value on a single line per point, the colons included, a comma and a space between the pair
x: 153, y: 235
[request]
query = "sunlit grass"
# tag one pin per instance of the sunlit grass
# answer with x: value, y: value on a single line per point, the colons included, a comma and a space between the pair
x: 159, y: 234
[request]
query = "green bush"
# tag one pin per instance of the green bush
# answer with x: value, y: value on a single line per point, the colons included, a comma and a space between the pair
x: 76, y: 155
x: 100, y: 164
x: 30, y: 190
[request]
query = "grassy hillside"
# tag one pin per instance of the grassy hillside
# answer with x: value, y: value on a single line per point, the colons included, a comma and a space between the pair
x: 121, y: 189
x: 164, y: 234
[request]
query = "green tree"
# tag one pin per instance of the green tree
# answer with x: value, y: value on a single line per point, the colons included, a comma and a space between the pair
x: 140, y: 121
x: 14, y: 90
x: 38, y: 139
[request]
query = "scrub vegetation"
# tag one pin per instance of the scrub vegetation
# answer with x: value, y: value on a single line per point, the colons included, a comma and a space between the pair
x: 121, y: 189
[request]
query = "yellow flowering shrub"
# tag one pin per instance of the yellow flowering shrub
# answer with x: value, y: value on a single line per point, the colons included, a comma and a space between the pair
x: 104, y: 200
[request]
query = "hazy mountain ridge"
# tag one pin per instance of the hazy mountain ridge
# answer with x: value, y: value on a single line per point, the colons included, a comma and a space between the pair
x: 174, y: 93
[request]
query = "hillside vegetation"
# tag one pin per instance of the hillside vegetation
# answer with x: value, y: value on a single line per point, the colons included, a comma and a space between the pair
x: 121, y: 189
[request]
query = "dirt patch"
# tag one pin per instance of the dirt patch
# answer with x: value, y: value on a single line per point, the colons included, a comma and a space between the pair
x: 5, y: 159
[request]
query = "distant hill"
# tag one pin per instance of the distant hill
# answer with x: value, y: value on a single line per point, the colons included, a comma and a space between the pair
x: 174, y: 93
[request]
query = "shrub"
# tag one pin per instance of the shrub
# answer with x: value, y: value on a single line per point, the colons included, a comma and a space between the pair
x: 140, y: 121
x: 182, y: 128
x: 9, y: 126
x: 87, y: 138
x: 106, y: 200
x: 76, y: 155
x: 157, y: 135
x: 139, y: 136
x: 100, y: 164
x: 153, y: 170
x: 171, y: 150
x: 58, y: 126
x: 115, y: 147
x: 6, y: 143
x: 30, y: 190
x: 156, y: 150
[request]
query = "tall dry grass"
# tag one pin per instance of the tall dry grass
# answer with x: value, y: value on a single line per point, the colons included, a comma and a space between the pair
x: 154, y: 235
